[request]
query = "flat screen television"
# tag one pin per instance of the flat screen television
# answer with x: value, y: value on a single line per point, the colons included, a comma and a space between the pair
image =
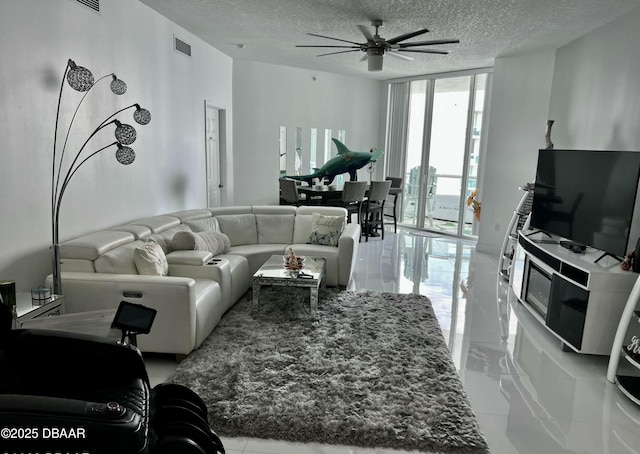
x: 587, y: 197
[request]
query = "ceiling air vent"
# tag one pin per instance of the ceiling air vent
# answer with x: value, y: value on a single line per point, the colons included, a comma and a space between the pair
x: 181, y: 46
x: 93, y: 4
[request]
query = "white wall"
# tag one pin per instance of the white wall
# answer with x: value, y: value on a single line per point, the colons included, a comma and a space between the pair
x: 266, y: 97
x: 130, y: 39
x: 519, y: 111
x: 589, y: 88
x: 595, y: 100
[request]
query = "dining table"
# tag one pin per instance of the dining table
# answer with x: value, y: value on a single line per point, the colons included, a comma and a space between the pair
x: 323, y: 194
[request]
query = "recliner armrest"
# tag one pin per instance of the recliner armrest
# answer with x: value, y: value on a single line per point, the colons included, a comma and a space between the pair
x: 32, y: 423
x: 189, y: 257
x: 29, y: 406
x: 88, y: 361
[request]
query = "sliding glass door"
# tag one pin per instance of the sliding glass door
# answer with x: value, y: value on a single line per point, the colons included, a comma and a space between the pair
x: 443, y: 152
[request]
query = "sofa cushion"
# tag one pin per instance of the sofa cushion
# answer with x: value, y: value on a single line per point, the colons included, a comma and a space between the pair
x: 275, y: 228
x: 240, y: 228
x: 326, y: 230
x: 140, y: 232
x: 150, y: 259
x: 93, y: 245
x: 191, y: 215
x: 257, y: 254
x: 158, y: 223
x: 200, y: 225
x: 215, y: 242
x: 302, y: 228
x: 119, y: 260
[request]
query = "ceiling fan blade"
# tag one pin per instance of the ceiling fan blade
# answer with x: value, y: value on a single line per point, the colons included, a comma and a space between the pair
x: 365, y: 31
x: 425, y: 51
x: 397, y: 39
x: 340, y: 52
x: 429, y: 43
x: 335, y: 39
x: 398, y: 55
x: 343, y: 47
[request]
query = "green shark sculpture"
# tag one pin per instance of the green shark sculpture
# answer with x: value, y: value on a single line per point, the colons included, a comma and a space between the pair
x: 347, y: 161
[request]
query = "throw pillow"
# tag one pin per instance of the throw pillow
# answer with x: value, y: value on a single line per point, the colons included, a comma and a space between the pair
x: 150, y: 259
x: 183, y: 241
x: 326, y: 230
x: 215, y: 242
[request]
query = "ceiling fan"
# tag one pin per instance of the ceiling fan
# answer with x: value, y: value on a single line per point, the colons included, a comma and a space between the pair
x: 376, y: 47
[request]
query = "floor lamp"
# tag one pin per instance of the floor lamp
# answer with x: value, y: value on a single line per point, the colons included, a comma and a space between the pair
x: 81, y: 79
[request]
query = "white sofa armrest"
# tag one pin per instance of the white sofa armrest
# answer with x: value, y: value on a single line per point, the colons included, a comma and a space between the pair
x: 174, y: 328
x: 193, y: 258
x: 348, y: 246
x: 214, y: 268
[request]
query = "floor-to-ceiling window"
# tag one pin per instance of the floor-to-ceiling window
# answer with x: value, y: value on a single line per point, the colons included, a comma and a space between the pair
x: 441, y: 150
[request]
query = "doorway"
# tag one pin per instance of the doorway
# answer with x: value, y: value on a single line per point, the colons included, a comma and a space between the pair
x: 443, y: 153
x: 215, y: 147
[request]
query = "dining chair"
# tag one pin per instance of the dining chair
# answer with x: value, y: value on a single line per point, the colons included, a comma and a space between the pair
x: 289, y: 193
x: 353, y: 195
x: 391, y: 204
x: 374, y: 208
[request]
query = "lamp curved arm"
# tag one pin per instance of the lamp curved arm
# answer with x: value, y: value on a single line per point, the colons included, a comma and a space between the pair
x: 117, y: 112
x: 55, y: 179
x: 54, y: 186
x: 72, y: 167
x: 66, y: 138
x: 67, y: 179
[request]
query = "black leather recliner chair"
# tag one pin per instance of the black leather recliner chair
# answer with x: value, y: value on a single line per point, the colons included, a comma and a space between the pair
x: 76, y: 393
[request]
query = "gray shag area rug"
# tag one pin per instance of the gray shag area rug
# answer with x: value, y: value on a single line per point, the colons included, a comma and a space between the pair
x: 369, y: 369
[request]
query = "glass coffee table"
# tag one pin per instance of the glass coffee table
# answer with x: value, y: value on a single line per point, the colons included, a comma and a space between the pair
x: 273, y: 272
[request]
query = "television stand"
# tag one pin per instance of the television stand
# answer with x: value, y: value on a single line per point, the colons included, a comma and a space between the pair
x: 579, y: 298
x: 606, y: 254
x: 533, y: 232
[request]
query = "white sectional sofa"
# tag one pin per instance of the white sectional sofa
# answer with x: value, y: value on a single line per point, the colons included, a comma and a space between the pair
x: 101, y: 269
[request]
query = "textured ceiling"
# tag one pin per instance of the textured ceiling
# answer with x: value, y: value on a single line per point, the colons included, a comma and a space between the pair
x: 268, y: 30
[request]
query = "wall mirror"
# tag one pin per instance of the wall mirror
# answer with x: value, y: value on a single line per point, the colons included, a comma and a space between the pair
x: 298, y: 153
x: 283, y: 151
x: 313, y: 150
x: 301, y: 161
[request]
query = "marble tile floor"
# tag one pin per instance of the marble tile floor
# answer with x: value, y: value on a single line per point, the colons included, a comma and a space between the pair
x: 528, y: 394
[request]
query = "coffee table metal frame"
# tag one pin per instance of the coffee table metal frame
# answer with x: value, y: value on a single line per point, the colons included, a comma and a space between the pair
x: 273, y: 272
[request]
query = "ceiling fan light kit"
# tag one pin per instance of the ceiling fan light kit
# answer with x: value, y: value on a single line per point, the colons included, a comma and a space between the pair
x: 375, y: 47
x: 374, y: 60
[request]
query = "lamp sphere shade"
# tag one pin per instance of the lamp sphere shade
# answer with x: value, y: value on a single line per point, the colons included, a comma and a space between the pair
x: 142, y: 116
x: 125, y: 134
x: 118, y: 86
x: 80, y: 78
x: 125, y: 155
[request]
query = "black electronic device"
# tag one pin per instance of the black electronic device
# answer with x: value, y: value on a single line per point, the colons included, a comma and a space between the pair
x: 133, y: 319
x: 573, y: 247
x: 587, y: 197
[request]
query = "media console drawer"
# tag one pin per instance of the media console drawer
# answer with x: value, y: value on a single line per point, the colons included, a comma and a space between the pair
x: 573, y: 273
x: 576, y: 275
